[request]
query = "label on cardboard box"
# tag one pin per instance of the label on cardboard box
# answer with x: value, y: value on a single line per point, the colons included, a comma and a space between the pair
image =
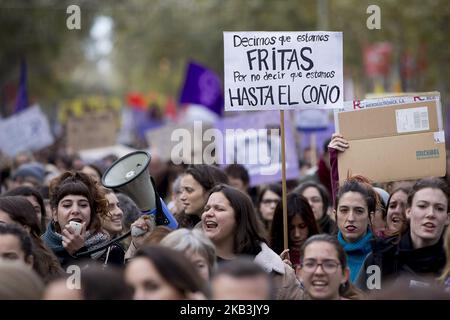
x: 412, y: 120
x: 439, y: 137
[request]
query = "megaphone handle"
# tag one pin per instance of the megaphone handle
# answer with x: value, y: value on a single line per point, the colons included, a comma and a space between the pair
x: 160, y: 218
x: 104, y: 246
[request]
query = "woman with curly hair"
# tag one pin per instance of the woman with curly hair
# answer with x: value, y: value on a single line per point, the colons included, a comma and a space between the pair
x: 75, y: 197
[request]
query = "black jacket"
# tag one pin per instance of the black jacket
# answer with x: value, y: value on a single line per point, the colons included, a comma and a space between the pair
x: 399, y: 258
x: 327, y: 225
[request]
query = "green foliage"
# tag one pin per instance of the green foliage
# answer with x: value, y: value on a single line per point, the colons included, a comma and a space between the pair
x: 153, y: 39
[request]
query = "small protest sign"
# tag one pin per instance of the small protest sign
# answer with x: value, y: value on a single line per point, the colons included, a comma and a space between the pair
x: 93, y: 130
x: 27, y: 130
x: 312, y: 120
x: 180, y: 143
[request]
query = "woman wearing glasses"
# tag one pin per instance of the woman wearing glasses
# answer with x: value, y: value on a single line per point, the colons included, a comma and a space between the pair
x: 324, y: 272
x: 268, y: 199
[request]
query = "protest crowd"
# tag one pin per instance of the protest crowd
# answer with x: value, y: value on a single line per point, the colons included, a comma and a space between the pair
x: 303, y: 171
x: 359, y: 240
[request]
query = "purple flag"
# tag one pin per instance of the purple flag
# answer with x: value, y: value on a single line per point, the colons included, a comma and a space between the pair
x: 22, y: 95
x: 202, y: 86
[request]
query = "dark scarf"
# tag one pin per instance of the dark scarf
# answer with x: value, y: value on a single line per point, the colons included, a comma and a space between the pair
x: 54, y: 241
x: 398, y: 257
x: 427, y: 260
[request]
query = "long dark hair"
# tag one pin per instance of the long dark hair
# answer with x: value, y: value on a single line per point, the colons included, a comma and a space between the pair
x: 30, y: 191
x: 320, y: 188
x: 275, y: 188
x: 249, y: 230
x: 207, y: 175
x: 404, y: 228
x: 20, y: 210
x: 361, y: 185
x: 175, y: 268
x: 296, y: 205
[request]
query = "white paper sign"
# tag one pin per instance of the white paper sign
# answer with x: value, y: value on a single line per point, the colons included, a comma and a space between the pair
x: 283, y: 70
x: 28, y: 130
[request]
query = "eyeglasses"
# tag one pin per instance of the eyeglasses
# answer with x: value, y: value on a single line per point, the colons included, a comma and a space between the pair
x: 269, y: 201
x: 328, y: 266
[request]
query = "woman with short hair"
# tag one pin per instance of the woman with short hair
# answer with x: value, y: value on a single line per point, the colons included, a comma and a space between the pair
x: 196, y: 247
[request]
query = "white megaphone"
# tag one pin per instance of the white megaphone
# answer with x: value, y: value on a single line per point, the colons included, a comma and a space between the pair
x: 129, y: 174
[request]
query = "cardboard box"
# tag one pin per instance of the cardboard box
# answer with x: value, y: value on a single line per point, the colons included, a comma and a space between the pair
x: 393, y: 142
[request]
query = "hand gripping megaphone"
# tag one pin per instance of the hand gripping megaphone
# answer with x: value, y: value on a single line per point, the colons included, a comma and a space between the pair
x: 130, y: 175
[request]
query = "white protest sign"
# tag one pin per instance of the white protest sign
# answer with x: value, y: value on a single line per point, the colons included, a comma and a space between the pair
x: 28, y: 130
x: 283, y: 70
x: 93, y: 130
x: 182, y: 142
x: 312, y: 119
